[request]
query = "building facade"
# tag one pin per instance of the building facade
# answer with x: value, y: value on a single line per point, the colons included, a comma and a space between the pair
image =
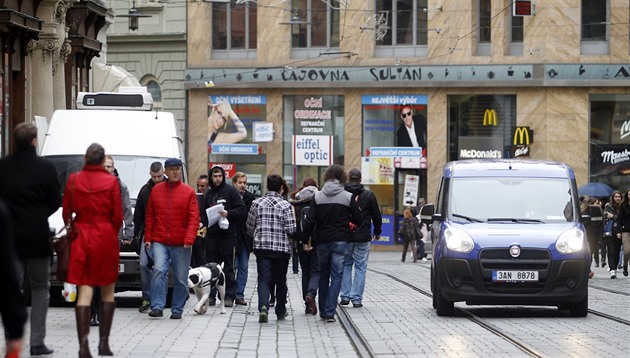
x: 398, y: 88
x: 47, y: 49
x: 155, y: 52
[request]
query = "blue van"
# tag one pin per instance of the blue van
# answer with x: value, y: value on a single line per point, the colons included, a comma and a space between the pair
x: 508, y: 232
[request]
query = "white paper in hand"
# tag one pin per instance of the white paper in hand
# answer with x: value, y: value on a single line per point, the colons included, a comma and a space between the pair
x: 213, y: 214
x: 224, y: 223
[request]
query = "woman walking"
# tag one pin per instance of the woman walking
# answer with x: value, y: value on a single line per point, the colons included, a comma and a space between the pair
x: 623, y: 219
x: 611, y: 211
x: 410, y: 228
x: 93, y: 196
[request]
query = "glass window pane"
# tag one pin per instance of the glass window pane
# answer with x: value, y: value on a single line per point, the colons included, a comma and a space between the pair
x: 319, y: 14
x: 517, y: 28
x: 422, y: 37
x: 485, y: 15
x: 404, y: 22
x: 219, y: 26
x: 253, y: 23
x: 238, y: 19
x: 594, y: 20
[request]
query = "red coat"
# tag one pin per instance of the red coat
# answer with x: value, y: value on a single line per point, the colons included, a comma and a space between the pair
x: 172, y: 215
x: 96, y: 202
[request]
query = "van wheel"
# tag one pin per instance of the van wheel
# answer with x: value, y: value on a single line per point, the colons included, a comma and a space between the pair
x: 580, y: 309
x: 442, y: 306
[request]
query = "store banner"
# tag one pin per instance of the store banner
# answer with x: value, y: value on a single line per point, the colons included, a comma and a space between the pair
x: 263, y: 131
x: 387, y: 231
x: 229, y: 168
x: 315, y: 150
x: 410, y: 196
x: 236, y: 149
x: 480, y: 147
x: 610, y: 159
x: 377, y: 170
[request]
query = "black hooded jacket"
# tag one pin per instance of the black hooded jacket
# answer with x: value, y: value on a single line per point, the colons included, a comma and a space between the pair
x: 370, y: 213
x: 230, y: 198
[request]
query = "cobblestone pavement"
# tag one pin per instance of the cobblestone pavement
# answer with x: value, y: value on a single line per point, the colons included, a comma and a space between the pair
x: 396, y: 320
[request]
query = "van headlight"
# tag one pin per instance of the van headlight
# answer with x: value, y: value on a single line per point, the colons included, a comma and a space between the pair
x: 458, y: 240
x: 570, y: 241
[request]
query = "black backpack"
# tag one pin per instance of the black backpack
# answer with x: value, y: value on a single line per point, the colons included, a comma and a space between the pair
x: 306, y: 226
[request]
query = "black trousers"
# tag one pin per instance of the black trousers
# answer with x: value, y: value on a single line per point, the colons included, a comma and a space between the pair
x: 220, y: 249
x: 614, y: 247
x: 198, y: 257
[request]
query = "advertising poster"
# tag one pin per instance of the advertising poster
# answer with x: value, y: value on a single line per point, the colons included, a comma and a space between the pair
x: 230, y: 123
x: 410, y: 195
x: 377, y: 170
x: 313, y: 150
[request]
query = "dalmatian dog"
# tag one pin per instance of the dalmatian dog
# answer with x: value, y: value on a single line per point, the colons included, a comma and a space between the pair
x: 202, y: 280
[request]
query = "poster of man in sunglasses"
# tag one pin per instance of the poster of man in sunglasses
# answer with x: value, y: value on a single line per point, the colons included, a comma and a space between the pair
x: 413, y: 129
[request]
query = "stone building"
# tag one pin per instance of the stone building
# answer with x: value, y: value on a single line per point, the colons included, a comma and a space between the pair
x: 47, y: 49
x: 317, y: 82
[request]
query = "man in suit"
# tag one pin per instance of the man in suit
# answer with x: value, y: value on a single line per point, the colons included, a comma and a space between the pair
x: 413, y: 130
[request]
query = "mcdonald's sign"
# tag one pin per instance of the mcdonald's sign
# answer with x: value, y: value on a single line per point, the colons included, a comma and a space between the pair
x: 523, y: 136
x: 490, y: 117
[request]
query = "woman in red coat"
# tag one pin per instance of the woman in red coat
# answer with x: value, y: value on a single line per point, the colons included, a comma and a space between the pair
x: 93, y: 195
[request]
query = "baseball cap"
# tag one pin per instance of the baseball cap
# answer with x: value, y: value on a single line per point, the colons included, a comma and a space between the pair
x: 354, y: 173
x: 173, y: 162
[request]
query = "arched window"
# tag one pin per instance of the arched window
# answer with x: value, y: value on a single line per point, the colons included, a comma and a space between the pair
x: 154, y: 89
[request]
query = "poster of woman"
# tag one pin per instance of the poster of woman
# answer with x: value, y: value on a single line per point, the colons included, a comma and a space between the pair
x: 224, y: 126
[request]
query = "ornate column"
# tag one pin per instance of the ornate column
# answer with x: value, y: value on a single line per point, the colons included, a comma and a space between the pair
x: 42, y: 53
x: 61, y: 57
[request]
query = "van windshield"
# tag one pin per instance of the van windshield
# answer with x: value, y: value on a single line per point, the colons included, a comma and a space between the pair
x: 514, y: 199
x: 133, y: 171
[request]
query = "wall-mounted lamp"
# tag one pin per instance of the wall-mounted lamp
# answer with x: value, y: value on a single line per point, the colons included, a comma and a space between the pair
x: 295, y: 19
x: 426, y: 9
x: 133, y: 15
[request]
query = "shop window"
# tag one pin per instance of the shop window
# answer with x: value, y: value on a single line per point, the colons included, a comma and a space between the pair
x: 234, y: 30
x: 480, y: 126
x: 406, y: 28
x: 610, y: 139
x: 314, y: 25
x: 154, y: 88
x: 484, y: 27
x: 595, y: 29
x: 231, y: 124
x: 313, y: 136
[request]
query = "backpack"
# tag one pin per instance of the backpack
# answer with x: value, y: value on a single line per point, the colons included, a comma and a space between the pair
x: 306, y: 226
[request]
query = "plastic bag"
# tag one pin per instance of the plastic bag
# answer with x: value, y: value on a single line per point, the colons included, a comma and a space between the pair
x: 69, y: 292
x: 224, y: 223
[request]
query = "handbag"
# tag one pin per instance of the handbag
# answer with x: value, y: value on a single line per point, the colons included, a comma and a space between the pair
x: 608, y: 228
x: 61, y: 244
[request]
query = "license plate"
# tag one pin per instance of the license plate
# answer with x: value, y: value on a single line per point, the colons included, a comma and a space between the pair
x: 514, y: 276
x: 121, y: 268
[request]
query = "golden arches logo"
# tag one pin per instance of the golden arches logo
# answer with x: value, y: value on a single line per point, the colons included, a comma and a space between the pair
x: 522, y: 134
x: 490, y: 117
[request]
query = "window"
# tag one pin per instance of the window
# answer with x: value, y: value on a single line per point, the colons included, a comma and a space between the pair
x: 314, y: 24
x: 516, y: 35
x: 234, y: 28
x: 407, y: 21
x: 594, y: 32
x: 480, y: 126
x: 484, y: 32
x: 153, y: 87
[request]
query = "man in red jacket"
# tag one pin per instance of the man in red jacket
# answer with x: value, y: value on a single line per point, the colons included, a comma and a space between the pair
x: 172, y: 220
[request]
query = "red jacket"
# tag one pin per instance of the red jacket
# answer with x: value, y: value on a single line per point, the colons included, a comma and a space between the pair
x: 172, y: 216
x: 96, y: 201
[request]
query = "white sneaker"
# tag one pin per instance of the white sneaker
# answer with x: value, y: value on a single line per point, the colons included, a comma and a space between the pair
x: 613, y: 274
x: 424, y: 259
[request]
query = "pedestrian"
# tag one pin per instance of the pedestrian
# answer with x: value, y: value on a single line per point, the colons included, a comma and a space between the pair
x: 624, y: 222
x: 409, y: 229
x: 31, y: 191
x: 244, y: 242
x: 271, y: 221
x: 172, y: 220
x: 332, y: 210
x: 603, y: 243
x: 594, y: 229
x: 93, y: 196
x: 220, y: 243
x: 352, y: 287
x: 125, y: 235
x: 307, y: 252
x: 284, y: 192
x: 12, y: 305
x: 156, y: 173
x: 198, y: 256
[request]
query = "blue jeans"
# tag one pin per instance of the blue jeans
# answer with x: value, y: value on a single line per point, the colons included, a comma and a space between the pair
x: 242, y: 264
x: 331, y: 259
x: 271, y: 269
x: 352, y: 289
x: 146, y: 272
x: 164, y: 257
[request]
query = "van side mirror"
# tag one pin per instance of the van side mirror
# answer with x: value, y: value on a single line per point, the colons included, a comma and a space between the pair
x: 426, y: 213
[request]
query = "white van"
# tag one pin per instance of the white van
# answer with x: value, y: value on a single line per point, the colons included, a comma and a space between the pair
x: 131, y: 132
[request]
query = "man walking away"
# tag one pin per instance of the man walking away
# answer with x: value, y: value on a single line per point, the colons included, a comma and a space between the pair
x: 360, y: 241
x: 198, y: 257
x: 146, y: 257
x: 220, y: 242
x: 332, y: 210
x: 172, y: 221
x: 244, y: 242
x: 270, y: 221
x: 31, y: 190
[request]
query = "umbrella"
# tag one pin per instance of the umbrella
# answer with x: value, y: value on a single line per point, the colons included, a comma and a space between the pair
x: 598, y: 190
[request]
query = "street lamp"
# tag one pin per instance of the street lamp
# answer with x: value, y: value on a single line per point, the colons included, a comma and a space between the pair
x: 133, y: 15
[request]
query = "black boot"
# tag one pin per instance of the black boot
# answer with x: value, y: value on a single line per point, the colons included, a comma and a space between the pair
x: 94, y: 320
x: 107, y: 315
x: 83, y: 330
